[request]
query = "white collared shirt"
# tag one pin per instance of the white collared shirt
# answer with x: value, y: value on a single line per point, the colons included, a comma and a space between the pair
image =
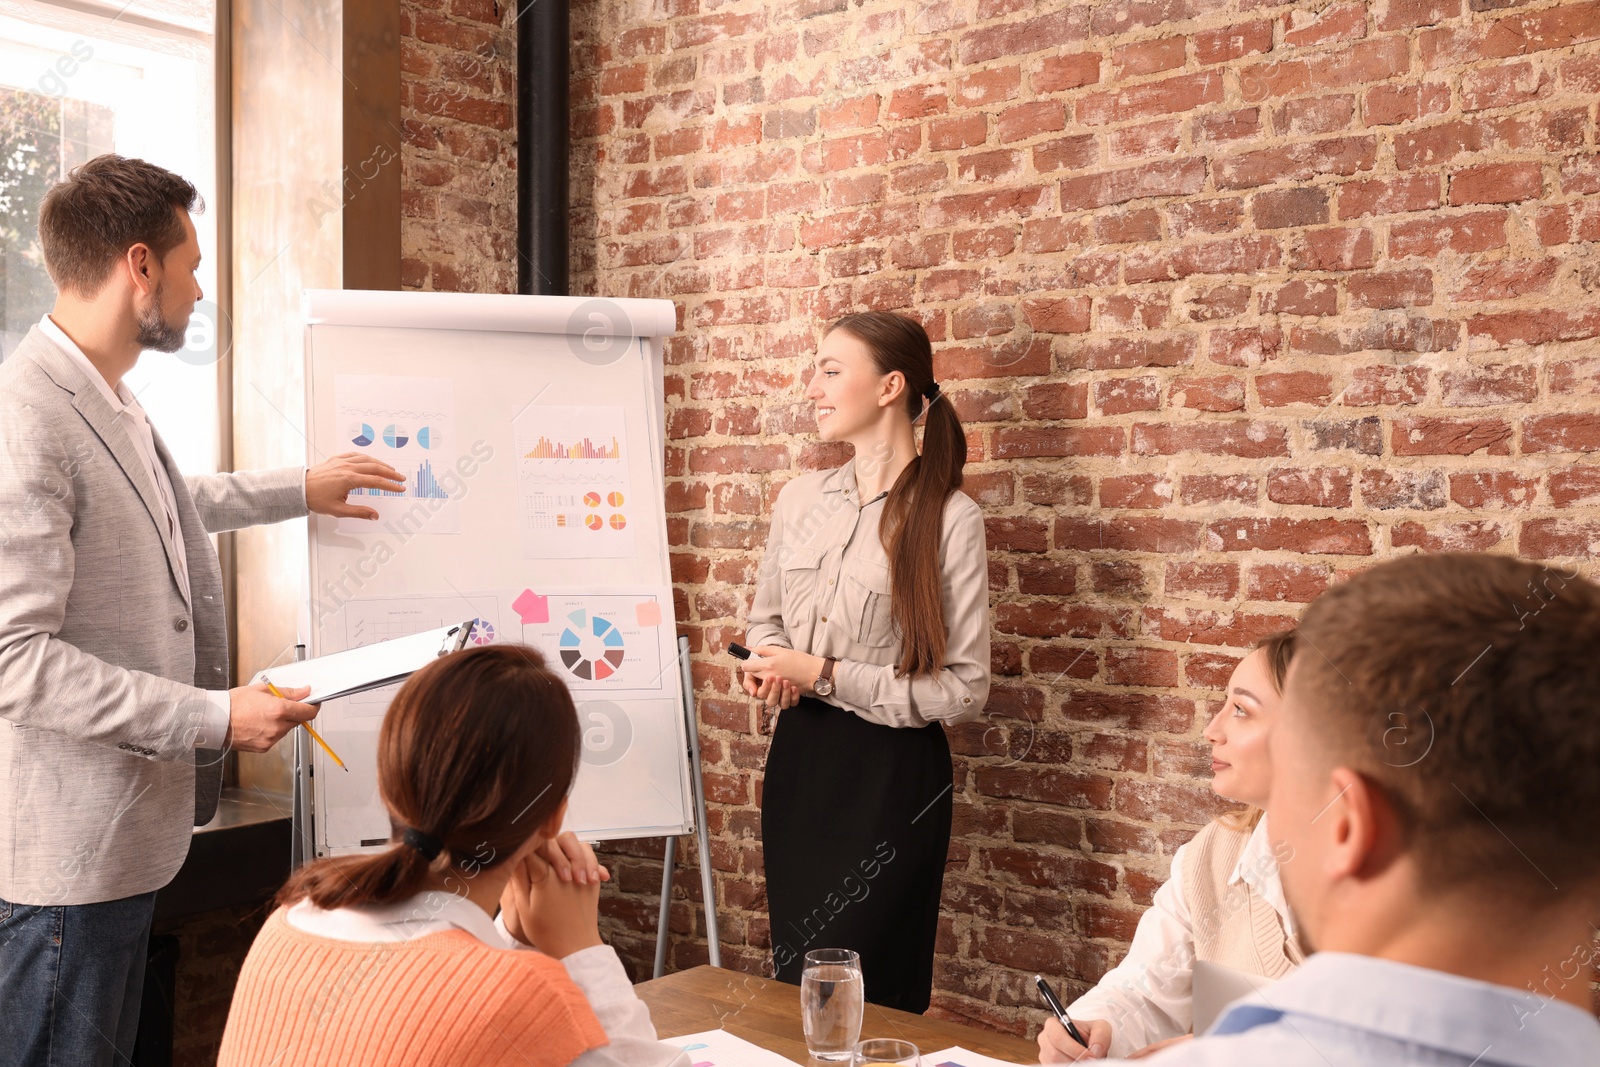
x: 214, y: 730
x: 1149, y: 996
x: 596, y: 971
x: 1344, y: 1010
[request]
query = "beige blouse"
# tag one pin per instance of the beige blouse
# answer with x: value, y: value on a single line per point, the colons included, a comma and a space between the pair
x: 823, y: 588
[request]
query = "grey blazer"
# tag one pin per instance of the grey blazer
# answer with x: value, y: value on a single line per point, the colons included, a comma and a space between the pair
x: 102, y: 659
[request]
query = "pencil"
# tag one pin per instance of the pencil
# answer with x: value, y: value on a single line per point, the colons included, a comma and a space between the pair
x: 314, y: 735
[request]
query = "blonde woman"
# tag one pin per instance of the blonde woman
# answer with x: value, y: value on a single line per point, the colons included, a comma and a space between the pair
x: 1223, y: 903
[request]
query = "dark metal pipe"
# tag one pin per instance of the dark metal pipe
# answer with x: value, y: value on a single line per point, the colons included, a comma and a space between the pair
x: 543, y: 125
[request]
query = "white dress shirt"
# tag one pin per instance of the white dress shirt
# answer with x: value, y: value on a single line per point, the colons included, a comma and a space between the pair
x: 1342, y: 1010
x: 596, y: 971
x: 132, y: 418
x: 1148, y: 997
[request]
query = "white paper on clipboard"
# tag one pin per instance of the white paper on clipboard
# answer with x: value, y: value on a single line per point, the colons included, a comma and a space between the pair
x: 356, y: 670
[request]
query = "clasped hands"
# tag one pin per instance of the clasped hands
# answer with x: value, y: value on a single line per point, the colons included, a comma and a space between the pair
x: 778, y: 676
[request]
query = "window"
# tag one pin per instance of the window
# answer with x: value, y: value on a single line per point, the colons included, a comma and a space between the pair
x: 78, y: 80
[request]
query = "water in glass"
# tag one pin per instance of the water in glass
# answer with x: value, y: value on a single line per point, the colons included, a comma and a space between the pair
x: 830, y: 1006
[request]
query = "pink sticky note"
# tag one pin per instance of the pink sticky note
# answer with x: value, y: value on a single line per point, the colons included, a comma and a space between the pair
x: 532, y: 607
x: 648, y: 613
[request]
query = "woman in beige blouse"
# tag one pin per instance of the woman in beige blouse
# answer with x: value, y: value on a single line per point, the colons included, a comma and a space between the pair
x: 871, y: 630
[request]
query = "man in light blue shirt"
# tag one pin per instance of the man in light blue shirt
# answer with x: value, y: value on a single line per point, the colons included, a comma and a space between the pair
x: 1435, y: 790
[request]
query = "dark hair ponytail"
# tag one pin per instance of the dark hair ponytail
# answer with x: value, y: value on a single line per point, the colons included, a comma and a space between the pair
x: 913, y: 515
x: 476, y: 753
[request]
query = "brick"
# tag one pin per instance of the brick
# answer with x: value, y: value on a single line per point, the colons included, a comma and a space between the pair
x: 1168, y: 178
x: 1136, y: 491
x: 1376, y: 60
x: 1559, y: 538
x: 1057, y: 74
x: 1125, y: 227
x: 1293, y: 387
x: 1314, y: 116
x: 1478, y: 231
x: 1390, y: 289
x: 1497, y: 490
x: 1161, y: 138
x: 1386, y: 386
x: 1029, y: 120
x: 1148, y: 57
x: 1282, y: 208
x: 1318, y: 487
x: 1250, y: 439
x: 1297, y: 162
x: 1119, y: 578
x: 1138, y: 534
x: 1464, y: 536
x: 1295, y: 583
x: 1408, y: 14
x: 1505, y: 280
x: 1123, y: 395
x: 1044, y: 33
x: 1536, y: 327
x: 1569, y: 487
x: 1386, y: 490
x: 1342, y: 248
x: 1210, y: 581
x: 1066, y: 153
x: 1301, y: 297
x: 1232, y: 42
x: 1428, y: 436
x: 1348, y: 537
x: 1123, y: 353
x: 1057, y: 400
x: 1200, y: 627
x: 1391, y: 105
x: 1503, y: 85
x: 1490, y: 386
x: 1335, y: 22
x: 1388, y: 196
x: 1141, y: 667
x: 1244, y: 346
x: 1220, y: 393
x: 1496, y: 183
x: 1209, y: 489
x: 1561, y: 433
x: 1165, y: 97
x: 1019, y: 442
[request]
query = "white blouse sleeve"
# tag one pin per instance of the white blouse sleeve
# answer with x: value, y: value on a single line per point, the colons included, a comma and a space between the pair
x: 1148, y: 997
x: 623, y: 1016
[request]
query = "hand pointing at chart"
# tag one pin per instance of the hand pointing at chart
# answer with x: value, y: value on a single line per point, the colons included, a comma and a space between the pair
x: 328, y: 484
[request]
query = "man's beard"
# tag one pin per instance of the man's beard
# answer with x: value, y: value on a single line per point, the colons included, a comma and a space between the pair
x: 155, y: 332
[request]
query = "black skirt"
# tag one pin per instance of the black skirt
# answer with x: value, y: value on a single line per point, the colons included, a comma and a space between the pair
x: 855, y: 827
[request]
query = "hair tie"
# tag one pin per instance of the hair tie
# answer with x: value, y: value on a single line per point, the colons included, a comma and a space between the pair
x: 931, y: 392
x: 427, y: 844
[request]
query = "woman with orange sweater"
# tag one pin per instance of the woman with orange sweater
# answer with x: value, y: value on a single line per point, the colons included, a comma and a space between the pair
x: 397, y: 958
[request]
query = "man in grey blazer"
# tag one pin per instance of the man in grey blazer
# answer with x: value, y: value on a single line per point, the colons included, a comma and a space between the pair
x: 115, y: 707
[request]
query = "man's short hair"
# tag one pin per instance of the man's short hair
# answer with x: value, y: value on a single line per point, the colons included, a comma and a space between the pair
x: 106, y: 206
x: 1468, y: 687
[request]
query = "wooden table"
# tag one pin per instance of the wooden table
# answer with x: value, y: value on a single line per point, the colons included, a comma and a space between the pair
x: 767, y: 1013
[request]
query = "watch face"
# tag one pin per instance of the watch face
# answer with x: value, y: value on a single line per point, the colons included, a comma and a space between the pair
x: 823, y: 687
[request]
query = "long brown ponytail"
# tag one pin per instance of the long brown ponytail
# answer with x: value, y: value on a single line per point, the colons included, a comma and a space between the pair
x: 476, y: 753
x: 913, y: 515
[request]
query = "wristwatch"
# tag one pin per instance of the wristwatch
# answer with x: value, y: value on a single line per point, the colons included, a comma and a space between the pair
x: 823, y: 686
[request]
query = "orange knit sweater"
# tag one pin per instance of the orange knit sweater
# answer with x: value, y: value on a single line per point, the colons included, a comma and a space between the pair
x: 442, y: 1000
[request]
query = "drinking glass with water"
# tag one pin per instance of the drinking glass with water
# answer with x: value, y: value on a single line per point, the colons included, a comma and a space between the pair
x: 831, y: 1002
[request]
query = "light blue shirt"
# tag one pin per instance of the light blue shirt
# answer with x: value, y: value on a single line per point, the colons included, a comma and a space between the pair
x: 1343, y: 1010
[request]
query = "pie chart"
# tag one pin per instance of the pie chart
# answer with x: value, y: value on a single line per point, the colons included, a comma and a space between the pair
x: 428, y: 437
x: 591, y: 646
x: 618, y: 522
x: 482, y: 632
x: 361, y: 435
x: 594, y: 522
x: 396, y: 436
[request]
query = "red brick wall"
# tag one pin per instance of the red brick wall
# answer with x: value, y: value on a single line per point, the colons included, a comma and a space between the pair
x: 1233, y: 297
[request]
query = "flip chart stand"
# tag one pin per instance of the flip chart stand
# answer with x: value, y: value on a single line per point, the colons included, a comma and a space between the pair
x: 702, y: 833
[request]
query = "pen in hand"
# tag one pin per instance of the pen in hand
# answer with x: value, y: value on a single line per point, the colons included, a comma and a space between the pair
x: 1049, y: 997
x: 314, y: 735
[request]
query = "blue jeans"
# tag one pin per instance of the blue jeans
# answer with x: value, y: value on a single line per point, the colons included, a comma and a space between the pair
x: 71, y: 977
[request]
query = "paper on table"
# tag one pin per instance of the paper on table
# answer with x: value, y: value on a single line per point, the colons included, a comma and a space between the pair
x: 718, y: 1048
x: 956, y: 1056
x: 358, y: 669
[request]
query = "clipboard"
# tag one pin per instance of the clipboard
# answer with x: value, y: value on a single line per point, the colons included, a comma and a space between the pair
x: 356, y: 670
